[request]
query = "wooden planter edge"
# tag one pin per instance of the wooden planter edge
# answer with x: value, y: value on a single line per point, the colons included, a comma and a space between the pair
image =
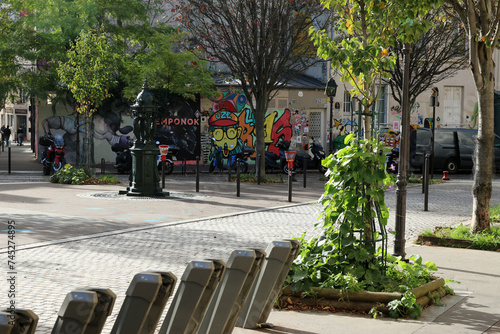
x: 362, y: 301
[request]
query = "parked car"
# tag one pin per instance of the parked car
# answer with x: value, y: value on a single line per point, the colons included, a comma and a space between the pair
x: 453, y: 148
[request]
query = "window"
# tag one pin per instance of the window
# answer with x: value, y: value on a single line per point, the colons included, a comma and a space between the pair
x: 381, y: 106
x: 347, y: 102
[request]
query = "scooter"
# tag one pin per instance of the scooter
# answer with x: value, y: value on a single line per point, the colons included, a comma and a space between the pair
x: 243, y: 156
x: 318, y: 154
x: 123, y: 160
x: 391, y: 163
x: 169, y: 159
x: 275, y: 161
x: 53, y: 154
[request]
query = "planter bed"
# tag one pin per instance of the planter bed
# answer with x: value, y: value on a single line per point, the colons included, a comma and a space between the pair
x: 431, y: 240
x: 360, y: 301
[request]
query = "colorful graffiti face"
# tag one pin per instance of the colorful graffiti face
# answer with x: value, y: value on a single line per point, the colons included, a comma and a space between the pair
x: 226, y: 138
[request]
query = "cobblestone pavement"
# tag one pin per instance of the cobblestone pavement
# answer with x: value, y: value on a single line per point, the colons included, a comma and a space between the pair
x: 47, y: 273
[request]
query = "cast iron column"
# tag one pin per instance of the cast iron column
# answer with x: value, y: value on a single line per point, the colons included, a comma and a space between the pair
x: 404, y: 154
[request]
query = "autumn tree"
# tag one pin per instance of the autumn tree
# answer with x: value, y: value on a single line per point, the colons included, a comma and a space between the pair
x: 481, y: 21
x: 88, y: 74
x: 366, y: 31
x: 263, y: 43
x: 437, y: 55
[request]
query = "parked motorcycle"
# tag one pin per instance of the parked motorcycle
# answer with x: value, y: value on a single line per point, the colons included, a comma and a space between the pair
x: 217, y: 162
x: 53, y: 154
x: 169, y: 159
x: 275, y: 161
x: 391, y: 163
x: 314, y: 162
x: 123, y: 160
x: 243, y: 156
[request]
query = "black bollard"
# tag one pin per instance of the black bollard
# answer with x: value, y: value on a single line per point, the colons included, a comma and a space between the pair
x: 229, y: 169
x: 103, y: 166
x: 289, y: 185
x: 237, y: 177
x: 163, y: 174
x: 9, y: 160
x: 426, y: 183
x: 197, y: 174
x: 304, y: 169
x: 423, y: 175
x: 184, y: 166
x: 258, y: 168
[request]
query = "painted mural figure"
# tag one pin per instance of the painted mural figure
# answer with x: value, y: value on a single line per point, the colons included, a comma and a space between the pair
x: 225, y: 133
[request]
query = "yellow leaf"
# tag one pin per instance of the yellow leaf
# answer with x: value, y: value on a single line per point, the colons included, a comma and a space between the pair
x: 381, y: 5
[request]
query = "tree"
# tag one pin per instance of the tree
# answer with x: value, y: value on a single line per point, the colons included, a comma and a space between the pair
x: 51, y: 26
x: 166, y: 66
x: 367, y: 30
x: 89, y: 76
x: 262, y: 42
x: 481, y: 21
x: 437, y: 55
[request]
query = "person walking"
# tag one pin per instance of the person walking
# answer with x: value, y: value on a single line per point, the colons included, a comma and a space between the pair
x: 6, y: 134
x: 20, y: 135
x: 2, y: 130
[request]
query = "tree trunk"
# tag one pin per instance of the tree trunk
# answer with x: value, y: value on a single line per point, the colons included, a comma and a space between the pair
x: 483, y: 158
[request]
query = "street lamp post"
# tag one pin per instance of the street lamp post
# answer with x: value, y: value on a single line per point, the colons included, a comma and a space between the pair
x: 331, y: 91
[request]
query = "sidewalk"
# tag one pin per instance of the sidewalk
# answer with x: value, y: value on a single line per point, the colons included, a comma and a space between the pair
x: 75, y: 236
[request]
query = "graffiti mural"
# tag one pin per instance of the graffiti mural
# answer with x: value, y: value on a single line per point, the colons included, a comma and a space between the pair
x: 231, y: 125
x: 341, y: 124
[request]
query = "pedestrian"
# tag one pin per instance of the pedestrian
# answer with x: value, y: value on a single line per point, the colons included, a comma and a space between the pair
x: 2, y: 130
x: 6, y: 134
x: 20, y: 135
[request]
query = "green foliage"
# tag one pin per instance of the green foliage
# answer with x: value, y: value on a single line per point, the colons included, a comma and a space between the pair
x: 70, y: 175
x: 166, y: 66
x: 405, y: 306
x: 495, y: 213
x: 357, y: 179
x: 343, y: 256
x: 487, y: 239
x: 107, y: 179
x: 368, y: 29
x: 89, y: 70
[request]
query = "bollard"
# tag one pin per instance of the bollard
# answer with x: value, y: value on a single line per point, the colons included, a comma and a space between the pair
x: 289, y: 185
x: 197, y: 174
x: 192, y: 297
x: 238, y: 176
x: 258, y: 168
x: 105, y: 302
x: 278, y: 253
x: 166, y: 290
x: 184, y: 166
x: 103, y: 166
x: 304, y: 169
x: 6, y: 324
x: 75, y: 312
x: 9, y: 158
x: 423, y: 174
x: 22, y: 321
x: 140, y: 296
x: 426, y: 183
x: 162, y: 174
